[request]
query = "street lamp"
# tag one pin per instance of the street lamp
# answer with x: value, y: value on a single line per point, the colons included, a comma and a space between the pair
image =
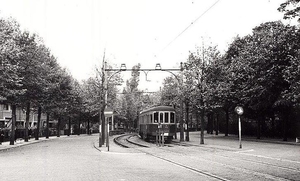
x: 104, y: 126
x: 157, y: 68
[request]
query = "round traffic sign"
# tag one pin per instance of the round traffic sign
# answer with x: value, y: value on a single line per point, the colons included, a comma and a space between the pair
x: 239, y: 110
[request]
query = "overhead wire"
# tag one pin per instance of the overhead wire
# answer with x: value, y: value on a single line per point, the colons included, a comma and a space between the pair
x: 190, y: 25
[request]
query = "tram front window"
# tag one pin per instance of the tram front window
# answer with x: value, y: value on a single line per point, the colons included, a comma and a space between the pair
x: 161, y: 117
x: 156, y: 117
x: 172, y: 117
x: 166, y: 117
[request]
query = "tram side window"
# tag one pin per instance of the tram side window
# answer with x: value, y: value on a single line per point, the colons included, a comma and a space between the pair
x: 156, y: 117
x: 148, y: 118
x: 161, y: 117
x: 166, y: 117
x: 172, y: 117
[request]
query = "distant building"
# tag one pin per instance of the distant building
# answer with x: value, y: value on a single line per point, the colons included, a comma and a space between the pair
x: 6, y: 113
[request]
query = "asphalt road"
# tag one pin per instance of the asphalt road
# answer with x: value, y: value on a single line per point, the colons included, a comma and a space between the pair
x: 76, y: 158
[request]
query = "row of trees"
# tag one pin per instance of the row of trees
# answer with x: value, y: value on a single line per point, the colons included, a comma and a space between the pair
x: 259, y: 72
x: 32, y: 80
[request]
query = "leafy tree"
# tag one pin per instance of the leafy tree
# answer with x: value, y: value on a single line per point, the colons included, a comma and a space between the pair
x: 10, y: 75
x: 170, y: 92
x: 257, y: 68
x: 132, y: 99
x: 10, y: 70
x: 32, y: 59
x: 196, y: 73
x: 291, y: 9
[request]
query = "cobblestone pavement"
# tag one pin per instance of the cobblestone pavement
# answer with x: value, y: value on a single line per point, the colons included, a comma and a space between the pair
x: 80, y: 158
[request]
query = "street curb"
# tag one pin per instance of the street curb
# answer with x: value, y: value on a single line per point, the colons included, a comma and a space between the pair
x: 255, y: 140
x: 94, y: 144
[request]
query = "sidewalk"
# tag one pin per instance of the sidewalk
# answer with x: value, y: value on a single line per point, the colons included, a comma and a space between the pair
x: 196, y: 135
x: 20, y: 142
x: 194, y: 138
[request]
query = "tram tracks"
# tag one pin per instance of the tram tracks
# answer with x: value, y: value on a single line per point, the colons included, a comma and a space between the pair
x: 249, y: 155
x: 266, y: 174
x: 124, y: 141
x: 251, y: 160
x: 118, y: 140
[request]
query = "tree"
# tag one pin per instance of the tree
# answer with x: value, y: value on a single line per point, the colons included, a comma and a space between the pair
x: 257, y: 64
x: 132, y: 99
x: 10, y: 70
x: 32, y: 59
x: 291, y: 9
x: 170, y: 92
x: 196, y: 73
x: 10, y: 76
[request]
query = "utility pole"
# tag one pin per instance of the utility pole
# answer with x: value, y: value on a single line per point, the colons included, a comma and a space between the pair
x: 102, y: 106
x: 181, y: 108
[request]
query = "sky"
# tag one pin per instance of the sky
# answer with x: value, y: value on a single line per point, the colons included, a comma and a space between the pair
x: 78, y: 32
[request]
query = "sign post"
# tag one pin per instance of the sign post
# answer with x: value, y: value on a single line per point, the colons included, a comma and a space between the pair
x: 239, y: 110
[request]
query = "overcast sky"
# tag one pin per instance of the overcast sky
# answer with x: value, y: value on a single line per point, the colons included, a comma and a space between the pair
x: 136, y: 31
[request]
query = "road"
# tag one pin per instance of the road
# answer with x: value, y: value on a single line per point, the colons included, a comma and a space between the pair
x: 76, y: 158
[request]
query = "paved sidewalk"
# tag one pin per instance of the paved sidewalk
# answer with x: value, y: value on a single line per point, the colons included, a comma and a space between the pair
x: 20, y: 142
x: 248, y: 138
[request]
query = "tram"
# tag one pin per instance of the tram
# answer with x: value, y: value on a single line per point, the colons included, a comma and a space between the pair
x: 155, y: 118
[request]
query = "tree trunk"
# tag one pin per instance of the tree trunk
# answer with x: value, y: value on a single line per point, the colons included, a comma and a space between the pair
x: 38, y: 123
x: 209, y: 123
x: 227, y: 122
x: 58, y: 127
x: 88, y: 126
x: 187, y: 136
x: 13, y: 124
x: 197, y: 120
x: 27, y: 121
x: 285, y: 127
x: 212, y: 123
x: 258, y: 126
x: 202, y: 127
x: 217, y: 124
x: 69, y: 127
x: 79, y: 129
x: 47, y: 126
x: 273, y: 131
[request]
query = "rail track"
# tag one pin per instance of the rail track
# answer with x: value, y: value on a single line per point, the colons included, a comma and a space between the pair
x: 120, y: 141
x: 226, y: 154
x: 206, y: 148
x: 124, y: 141
x: 280, y: 164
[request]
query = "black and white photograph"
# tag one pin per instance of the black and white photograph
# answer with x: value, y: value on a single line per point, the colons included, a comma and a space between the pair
x: 149, y: 90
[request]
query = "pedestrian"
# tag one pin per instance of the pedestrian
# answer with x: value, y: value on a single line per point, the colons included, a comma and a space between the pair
x: 29, y: 133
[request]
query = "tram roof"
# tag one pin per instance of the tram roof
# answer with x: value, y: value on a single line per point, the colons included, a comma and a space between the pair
x: 158, y: 108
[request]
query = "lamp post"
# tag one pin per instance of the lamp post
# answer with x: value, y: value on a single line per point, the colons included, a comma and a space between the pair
x: 104, y: 124
x: 146, y: 71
